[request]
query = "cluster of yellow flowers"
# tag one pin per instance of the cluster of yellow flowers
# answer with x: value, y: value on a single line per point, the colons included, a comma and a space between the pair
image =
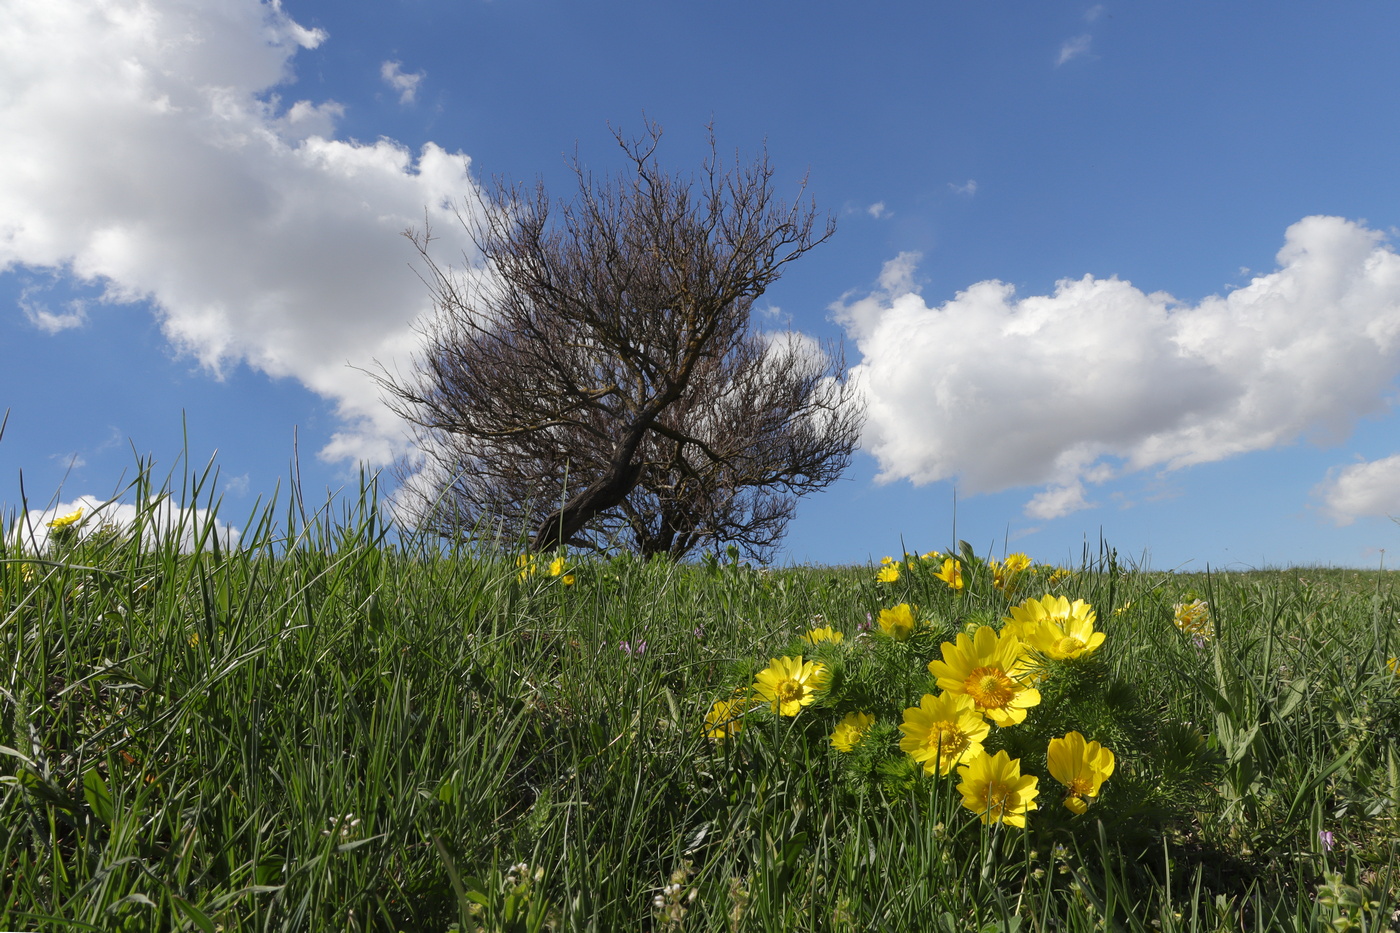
x: 986, y: 678
x: 1006, y: 574
x: 1193, y: 618
x: 527, y: 565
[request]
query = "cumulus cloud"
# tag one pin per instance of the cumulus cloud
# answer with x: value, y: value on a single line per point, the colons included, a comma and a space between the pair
x: 160, y: 521
x: 1101, y: 379
x: 1371, y: 487
x: 405, y: 83
x: 154, y: 157
x: 1073, y: 48
x: 877, y: 210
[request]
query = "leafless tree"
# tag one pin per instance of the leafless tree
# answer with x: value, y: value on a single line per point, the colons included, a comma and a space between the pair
x: 598, y: 376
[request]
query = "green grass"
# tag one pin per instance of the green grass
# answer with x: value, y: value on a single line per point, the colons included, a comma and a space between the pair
x: 329, y: 728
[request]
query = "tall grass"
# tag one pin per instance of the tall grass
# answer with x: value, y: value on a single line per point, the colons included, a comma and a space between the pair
x: 331, y: 726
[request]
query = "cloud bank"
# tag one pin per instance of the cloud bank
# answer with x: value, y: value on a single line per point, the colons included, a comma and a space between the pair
x: 161, y: 521
x: 151, y: 153
x: 1100, y: 379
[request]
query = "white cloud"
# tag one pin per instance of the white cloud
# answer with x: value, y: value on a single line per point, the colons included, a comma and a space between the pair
x: 405, y: 83
x: 160, y: 520
x: 877, y: 210
x: 1073, y: 48
x: 159, y: 162
x: 48, y: 321
x: 1101, y: 379
x: 1093, y: 13
x: 969, y: 188
x: 1371, y: 487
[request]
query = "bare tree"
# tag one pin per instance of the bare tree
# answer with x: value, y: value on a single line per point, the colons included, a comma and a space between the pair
x: 601, y: 378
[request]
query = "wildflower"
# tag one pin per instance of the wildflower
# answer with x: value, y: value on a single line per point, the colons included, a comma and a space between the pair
x: 993, y: 788
x: 1055, y: 627
x: 525, y: 565
x: 1004, y: 573
x: 932, y: 557
x: 1193, y: 618
x: 850, y: 731
x: 1394, y: 665
x: 789, y: 684
x: 723, y: 718
x: 1327, y: 838
x: 1081, y: 766
x: 826, y: 633
x: 66, y: 520
x: 888, y: 574
x: 985, y: 667
x: 898, y: 623
x: 942, y: 731
x: 343, y: 826
x: 1123, y: 608
x: 1058, y: 576
x: 951, y: 573
x: 557, y: 568
x: 886, y: 560
x: 633, y: 649
x: 1015, y: 563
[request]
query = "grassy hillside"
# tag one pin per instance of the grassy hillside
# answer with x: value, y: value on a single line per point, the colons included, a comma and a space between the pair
x: 323, y: 730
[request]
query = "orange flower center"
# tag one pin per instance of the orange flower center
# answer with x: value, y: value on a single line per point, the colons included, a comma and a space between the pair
x: 989, y: 687
x: 1080, y: 787
x: 948, y: 738
x: 1069, y: 645
x: 789, y: 690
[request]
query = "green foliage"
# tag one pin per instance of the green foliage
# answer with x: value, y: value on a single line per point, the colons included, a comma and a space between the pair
x: 331, y: 727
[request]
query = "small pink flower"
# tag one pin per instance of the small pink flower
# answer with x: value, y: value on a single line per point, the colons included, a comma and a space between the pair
x: 634, y: 649
x: 1327, y: 838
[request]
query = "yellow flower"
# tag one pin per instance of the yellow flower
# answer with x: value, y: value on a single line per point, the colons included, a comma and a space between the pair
x: 1394, y: 665
x: 789, y: 685
x: 888, y: 573
x: 1193, y: 618
x: 933, y: 556
x: 986, y: 667
x: 66, y: 520
x: 994, y: 788
x: 886, y: 560
x: 1081, y: 766
x: 942, y: 731
x: 525, y: 567
x: 1055, y: 627
x: 951, y: 573
x: 818, y: 635
x: 556, y: 569
x: 1058, y: 576
x: 1015, y: 563
x: 723, y: 718
x: 898, y: 623
x: 850, y: 731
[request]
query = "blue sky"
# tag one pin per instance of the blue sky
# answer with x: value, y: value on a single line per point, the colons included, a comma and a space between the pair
x: 1107, y: 270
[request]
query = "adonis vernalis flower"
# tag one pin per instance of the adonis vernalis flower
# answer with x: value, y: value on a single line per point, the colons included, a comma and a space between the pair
x: 850, y: 731
x: 951, y: 573
x: 942, y: 731
x: 898, y: 623
x: 987, y: 667
x: 788, y: 684
x: 1081, y: 766
x: 888, y: 574
x: 826, y: 633
x: 66, y: 520
x: 1055, y: 627
x: 723, y: 719
x: 1193, y: 618
x: 994, y: 788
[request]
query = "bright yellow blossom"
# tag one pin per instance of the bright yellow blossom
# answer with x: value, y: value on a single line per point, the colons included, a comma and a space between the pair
x: 994, y: 788
x: 942, y: 731
x: 66, y: 520
x: 1055, y: 627
x: 850, y: 731
x: 826, y: 633
x: 1193, y: 618
x: 1081, y: 766
x: 951, y: 573
x: 557, y: 568
x: 525, y: 567
x: 888, y: 573
x: 723, y: 719
x: 987, y: 667
x: 788, y: 684
x: 898, y: 623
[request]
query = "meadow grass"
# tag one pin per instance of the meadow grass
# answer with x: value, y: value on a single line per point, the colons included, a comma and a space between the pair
x: 331, y: 727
